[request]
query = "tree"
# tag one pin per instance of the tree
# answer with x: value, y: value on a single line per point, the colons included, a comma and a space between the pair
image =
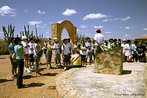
x: 8, y: 33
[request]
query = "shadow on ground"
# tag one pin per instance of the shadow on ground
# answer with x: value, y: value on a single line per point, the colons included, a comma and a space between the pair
x: 27, y: 77
x: 35, y: 84
x: 4, y: 80
x: 49, y: 74
x: 126, y: 72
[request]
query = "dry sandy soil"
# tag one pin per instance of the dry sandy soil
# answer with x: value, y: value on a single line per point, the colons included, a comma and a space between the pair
x: 37, y: 87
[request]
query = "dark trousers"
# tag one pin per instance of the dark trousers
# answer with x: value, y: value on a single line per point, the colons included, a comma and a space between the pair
x: 20, y: 63
x: 135, y: 57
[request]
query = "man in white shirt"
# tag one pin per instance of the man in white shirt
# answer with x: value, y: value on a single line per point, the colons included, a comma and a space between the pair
x: 99, y: 39
x: 56, y: 48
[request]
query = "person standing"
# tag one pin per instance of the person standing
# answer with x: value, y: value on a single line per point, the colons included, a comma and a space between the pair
x: 128, y: 51
x: 18, y: 48
x: 31, y: 53
x: 56, y: 48
x: 48, y: 54
x: 99, y: 39
x: 13, y: 63
x: 141, y: 51
x: 37, y: 55
x: 24, y: 42
x: 65, y: 52
x: 135, y: 55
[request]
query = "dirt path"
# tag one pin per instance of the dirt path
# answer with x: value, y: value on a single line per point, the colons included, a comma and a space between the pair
x: 38, y: 87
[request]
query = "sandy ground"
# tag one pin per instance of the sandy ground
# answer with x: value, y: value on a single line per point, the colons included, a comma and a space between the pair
x: 37, y: 87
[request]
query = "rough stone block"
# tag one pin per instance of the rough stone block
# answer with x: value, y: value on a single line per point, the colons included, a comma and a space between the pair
x: 109, y: 62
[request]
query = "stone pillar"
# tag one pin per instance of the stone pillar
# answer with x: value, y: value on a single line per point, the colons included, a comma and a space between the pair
x: 109, y: 62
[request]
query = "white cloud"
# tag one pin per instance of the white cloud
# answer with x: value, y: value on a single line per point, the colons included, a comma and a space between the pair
x: 127, y: 28
x: 126, y: 18
x: 100, y: 27
x: 144, y: 29
x: 32, y: 23
x: 117, y: 19
x: 105, y: 20
x: 69, y: 12
x: 94, y: 16
x: 40, y: 12
x: 83, y: 26
x: 6, y: 10
x: 108, y: 32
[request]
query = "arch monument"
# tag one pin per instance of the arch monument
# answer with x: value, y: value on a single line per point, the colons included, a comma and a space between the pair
x: 56, y: 30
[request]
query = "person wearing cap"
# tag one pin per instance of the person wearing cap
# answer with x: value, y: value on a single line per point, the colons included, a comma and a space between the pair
x: 99, y: 39
x: 56, y: 48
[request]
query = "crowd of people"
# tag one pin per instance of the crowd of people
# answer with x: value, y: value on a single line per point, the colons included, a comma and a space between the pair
x: 28, y: 52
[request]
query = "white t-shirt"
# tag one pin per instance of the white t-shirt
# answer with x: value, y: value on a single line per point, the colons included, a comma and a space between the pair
x: 56, y: 48
x: 128, y: 52
x: 83, y: 51
x: 31, y: 48
x: 66, y: 49
x: 35, y: 48
x: 26, y: 49
x: 88, y: 44
x: 99, y: 38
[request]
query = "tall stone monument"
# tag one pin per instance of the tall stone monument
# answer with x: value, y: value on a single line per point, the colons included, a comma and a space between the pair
x: 56, y: 30
x: 109, y: 62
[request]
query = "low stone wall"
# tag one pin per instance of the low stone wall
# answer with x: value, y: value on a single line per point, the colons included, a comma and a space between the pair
x: 109, y: 62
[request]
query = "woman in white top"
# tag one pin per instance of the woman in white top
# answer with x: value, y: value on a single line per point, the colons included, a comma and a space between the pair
x: 128, y: 51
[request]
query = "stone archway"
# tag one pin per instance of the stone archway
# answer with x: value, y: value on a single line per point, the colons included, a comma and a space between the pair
x: 56, y: 30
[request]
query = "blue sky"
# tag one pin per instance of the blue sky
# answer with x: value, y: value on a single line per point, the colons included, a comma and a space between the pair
x: 125, y: 19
